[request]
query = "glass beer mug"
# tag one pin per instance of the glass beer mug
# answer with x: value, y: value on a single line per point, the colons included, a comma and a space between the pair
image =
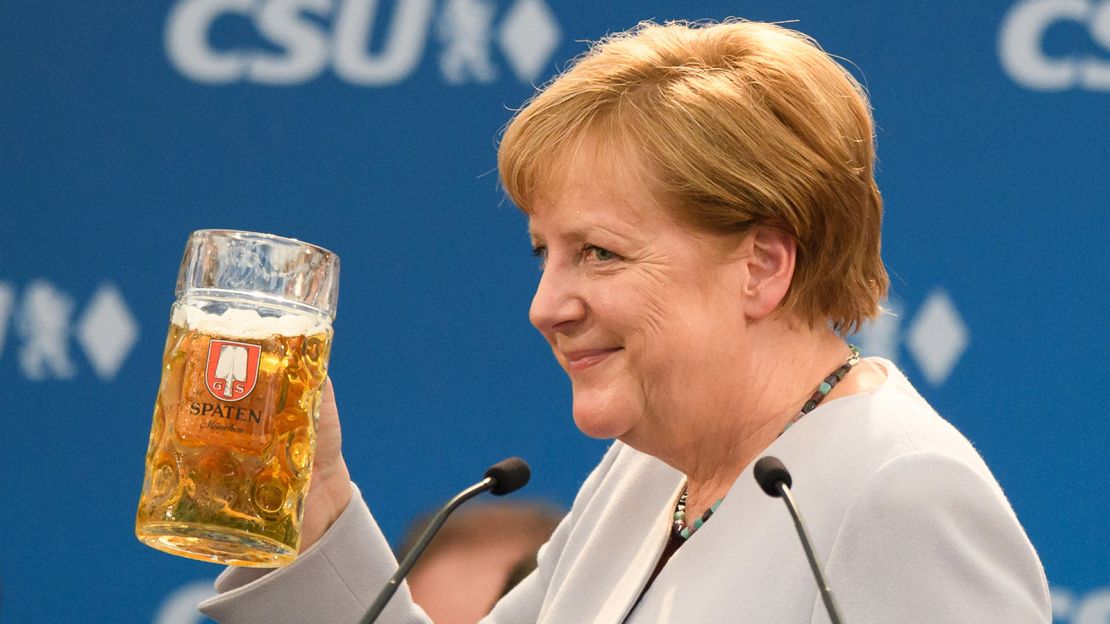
x: 234, y: 431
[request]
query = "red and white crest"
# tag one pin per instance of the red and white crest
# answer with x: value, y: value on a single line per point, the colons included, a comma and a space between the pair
x: 232, y: 369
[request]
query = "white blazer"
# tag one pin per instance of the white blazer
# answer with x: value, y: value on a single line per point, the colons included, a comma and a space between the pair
x: 907, y: 521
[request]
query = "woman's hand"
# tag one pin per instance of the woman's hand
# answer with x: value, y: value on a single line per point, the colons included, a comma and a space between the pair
x: 330, y: 488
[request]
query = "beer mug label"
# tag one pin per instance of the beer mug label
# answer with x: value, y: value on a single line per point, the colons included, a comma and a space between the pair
x: 232, y: 369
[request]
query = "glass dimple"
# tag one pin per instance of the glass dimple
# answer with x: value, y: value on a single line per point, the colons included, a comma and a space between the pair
x: 269, y: 496
x: 164, y: 482
x: 299, y: 454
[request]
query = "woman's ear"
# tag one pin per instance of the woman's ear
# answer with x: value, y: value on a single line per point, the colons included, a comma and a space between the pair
x: 770, y: 266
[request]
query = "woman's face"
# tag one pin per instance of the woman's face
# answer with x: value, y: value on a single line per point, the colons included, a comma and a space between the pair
x: 644, y: 314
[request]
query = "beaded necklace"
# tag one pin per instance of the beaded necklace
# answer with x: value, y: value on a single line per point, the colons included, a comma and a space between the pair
x: 683, y: 530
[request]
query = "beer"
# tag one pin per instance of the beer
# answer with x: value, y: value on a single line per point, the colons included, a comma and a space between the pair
x: 231, y: 446
x: 234, y: 431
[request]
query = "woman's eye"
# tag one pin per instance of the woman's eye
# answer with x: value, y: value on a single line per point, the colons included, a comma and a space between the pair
x: 540, y: 253
x: 600, y: 253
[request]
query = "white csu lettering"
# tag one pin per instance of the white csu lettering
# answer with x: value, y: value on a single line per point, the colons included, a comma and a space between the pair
x: 305, y: 47
x: 1022, y: 53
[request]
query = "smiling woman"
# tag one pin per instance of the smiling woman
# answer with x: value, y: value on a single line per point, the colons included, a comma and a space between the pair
x: 632, y: 303
x: 703, y: 203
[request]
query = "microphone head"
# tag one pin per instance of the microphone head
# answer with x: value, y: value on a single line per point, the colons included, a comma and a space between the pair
x: 769, y: 472
x: 509, y: 475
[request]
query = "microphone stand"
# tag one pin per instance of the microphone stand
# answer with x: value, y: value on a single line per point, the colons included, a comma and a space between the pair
x: 418, y: 549
x: 822, y: 583
x: 504, y: 477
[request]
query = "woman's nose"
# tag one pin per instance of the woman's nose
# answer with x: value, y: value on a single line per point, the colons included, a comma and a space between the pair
x: 557, y: 301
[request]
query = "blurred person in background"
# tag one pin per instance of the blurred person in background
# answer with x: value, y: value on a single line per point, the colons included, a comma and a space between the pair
x: 479, y: 554
x: 703, y: 205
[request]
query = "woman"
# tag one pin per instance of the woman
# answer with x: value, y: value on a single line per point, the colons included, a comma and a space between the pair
x: 703, y: 204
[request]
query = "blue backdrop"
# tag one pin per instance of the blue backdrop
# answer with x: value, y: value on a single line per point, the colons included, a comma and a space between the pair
x: 370, y: 128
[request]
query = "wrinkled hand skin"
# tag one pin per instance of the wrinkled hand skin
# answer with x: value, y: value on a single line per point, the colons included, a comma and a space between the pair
x: 330, y: 489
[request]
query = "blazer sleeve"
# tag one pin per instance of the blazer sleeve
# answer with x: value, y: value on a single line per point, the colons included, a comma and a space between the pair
x: 335, y: 580
x: 932, y: 539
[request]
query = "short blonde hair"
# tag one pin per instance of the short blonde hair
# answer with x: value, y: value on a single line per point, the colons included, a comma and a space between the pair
x: 735, y: 124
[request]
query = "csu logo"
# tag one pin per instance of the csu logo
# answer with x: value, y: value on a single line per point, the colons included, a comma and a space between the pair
x: 364, y: 43
x: 232, y: 369
x: 1022, y: 52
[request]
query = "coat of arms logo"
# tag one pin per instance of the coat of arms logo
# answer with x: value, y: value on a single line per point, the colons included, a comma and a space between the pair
x: 232, y: 369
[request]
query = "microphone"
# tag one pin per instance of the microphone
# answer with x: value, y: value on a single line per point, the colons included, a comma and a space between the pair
x: 504, y: 477
x: 774, y: 479
x: 509, y: 475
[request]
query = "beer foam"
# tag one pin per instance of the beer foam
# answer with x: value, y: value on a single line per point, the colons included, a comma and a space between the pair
x: 240, y: 323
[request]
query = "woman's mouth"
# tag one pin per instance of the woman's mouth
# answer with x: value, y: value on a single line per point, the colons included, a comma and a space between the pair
x: 586, y: 358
